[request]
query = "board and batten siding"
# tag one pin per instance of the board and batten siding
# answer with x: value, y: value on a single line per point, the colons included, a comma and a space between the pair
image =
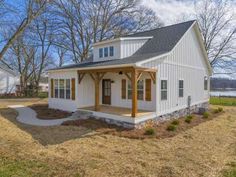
x: 129, y: 47
x: 63, y: 104
x: 186, y: 62
x: 8, y: 82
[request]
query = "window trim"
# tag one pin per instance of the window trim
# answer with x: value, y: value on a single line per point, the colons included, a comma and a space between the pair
x: 130, y: 89
x: 181, y: 88
x: 206, y: 80
x: 56, y: 87
x: 101, y: 55
x: 111, y: 47
x: 67, y: 89
x: 162, y: 90
x: 105, y: 52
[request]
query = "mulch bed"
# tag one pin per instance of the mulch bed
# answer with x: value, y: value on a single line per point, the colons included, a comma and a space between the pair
x: 160, y: 129
x: 46, y: 113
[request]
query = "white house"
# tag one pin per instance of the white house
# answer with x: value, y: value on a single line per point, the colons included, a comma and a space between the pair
x: 8, y: 80
x: 150, y: 75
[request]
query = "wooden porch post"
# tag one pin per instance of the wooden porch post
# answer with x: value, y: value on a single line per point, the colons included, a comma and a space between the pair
x: 97, y: 81
x: 134, y: 93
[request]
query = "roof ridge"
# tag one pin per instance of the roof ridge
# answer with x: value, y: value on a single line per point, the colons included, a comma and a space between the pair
x: 161, y: 27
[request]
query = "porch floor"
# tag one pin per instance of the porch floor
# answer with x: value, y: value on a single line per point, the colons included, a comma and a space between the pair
x: 117, y: 110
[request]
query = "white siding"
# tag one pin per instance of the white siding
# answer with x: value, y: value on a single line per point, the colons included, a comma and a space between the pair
x: 63, y: 104
x: 129, y: 47
x: 186, y: 62
x: 8, y: 82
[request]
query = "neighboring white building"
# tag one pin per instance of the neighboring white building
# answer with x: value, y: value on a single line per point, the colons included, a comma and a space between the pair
x: 156, y: 74
x: 8, y: 80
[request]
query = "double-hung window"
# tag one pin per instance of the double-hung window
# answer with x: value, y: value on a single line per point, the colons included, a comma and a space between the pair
x: 62, y: 88
x: 140, y: 90
x: 111, y: 51
x: 100, y: 52
x: 106, y: 52
x: 205, y: 83
x: 163, y: 89
x: 181, y: 88
x: 56, y: 88
x: 67, y: 88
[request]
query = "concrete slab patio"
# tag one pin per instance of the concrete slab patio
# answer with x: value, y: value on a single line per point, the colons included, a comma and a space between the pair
x: 28, y: 116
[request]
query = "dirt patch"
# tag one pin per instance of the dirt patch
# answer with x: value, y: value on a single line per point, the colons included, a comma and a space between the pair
x: 157, y: 131
x: 46, y: 113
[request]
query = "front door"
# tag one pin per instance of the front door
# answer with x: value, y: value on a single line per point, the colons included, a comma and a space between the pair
x: 106, y: 91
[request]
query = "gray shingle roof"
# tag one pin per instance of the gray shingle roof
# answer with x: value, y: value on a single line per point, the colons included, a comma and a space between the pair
x: 163, y: 41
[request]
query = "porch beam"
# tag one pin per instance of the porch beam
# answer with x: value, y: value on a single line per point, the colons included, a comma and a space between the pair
x: 81, y: 76
x: 127, y: 75
x: 153, y: 77
x: 134, y: 93
x: 139, y: 75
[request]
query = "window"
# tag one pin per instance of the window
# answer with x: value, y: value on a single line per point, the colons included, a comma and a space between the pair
x: 56, y: 88
x: 205, y: 83
x: 100, y: 52
x: 111, y: 51
x: 67, y: 88
x: 181, y: 88
x: 163, y: 89
x: 140, y: 89
x: 106, y: 52
x: 129, y: 90
x: 62, y: 88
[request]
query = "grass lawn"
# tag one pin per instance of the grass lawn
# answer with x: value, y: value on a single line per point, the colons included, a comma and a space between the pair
x: 224, y: 101
x: 205, y: 150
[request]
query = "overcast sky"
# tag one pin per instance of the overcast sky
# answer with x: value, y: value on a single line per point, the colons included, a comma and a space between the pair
x: 174, y: 11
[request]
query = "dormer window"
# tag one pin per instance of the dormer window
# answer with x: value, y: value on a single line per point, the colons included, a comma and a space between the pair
x: 100, y: 52
x: 106, y: 52
x: 111, y: 51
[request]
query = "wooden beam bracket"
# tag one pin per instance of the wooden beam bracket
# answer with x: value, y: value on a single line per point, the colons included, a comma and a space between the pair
x: 153, y: 77
x: 81, y: 76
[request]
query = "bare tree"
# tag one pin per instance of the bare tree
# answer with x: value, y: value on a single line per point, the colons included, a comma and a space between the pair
x: 218, y: 30
x: 34, y: 9
x: 83, y: 22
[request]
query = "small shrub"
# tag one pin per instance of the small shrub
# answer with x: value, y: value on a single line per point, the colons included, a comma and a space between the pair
x: 171, y: 127
x: 189, y: 117
x: 220, y: 109
x: 150, y: 131
x: 215, y: 111
x: 175, y: 122
x: 188, y: 120
x: 205, y: 115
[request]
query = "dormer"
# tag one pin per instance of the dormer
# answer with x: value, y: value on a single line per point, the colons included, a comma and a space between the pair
x: 118, y: 48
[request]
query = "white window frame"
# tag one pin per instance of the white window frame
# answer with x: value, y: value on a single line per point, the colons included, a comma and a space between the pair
x: 130, y: 89
x: 164, y: 90
x: 107, y: 52
x: 66, y: 89
x: 111, y: 47
x: 56, y: 86
x: 206, y: 83
x: 181, y: 88
x: 102, y: 52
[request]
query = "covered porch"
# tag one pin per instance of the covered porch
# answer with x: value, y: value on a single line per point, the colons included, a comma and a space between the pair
x: 132, y: 74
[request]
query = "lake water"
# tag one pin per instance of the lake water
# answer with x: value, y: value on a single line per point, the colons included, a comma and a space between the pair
x: 223, y: 93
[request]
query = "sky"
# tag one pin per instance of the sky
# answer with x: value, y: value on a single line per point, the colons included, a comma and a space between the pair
x: 174, y: 11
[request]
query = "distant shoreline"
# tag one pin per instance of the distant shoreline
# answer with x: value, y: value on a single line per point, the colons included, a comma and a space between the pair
x: 223, y: 93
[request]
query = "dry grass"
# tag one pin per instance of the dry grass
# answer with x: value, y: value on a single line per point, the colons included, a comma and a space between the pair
x: 74, y: 151
x: 46, y: 113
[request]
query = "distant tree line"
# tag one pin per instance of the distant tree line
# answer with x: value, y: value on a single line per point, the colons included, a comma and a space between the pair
x: 222, y: 84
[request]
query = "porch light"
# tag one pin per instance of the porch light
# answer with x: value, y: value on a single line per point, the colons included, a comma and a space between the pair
x: 112, y: 81
x: 120, y: 73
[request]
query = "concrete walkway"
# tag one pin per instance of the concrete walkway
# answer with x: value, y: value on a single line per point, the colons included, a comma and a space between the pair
x: 28, y: 116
